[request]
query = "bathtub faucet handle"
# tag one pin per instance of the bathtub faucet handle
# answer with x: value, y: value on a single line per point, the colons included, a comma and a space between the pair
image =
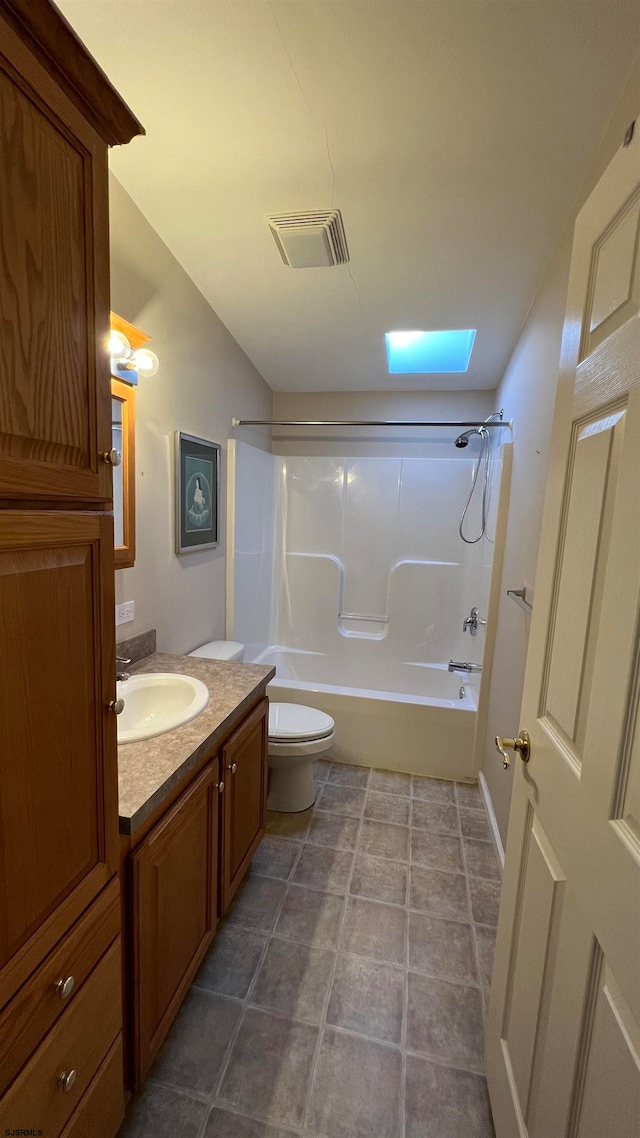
x: 473, y: 621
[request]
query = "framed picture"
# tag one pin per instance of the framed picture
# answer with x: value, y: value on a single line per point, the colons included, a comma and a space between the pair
x: 197, y: 493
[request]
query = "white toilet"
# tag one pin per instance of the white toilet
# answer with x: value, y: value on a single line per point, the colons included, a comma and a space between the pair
x: 297, y: 735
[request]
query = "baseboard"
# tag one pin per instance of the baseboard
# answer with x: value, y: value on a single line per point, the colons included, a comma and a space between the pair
x: 493, y: 821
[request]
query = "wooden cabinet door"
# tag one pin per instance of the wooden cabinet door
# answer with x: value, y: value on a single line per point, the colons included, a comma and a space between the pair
x: 244, y: 771
x: 58, y: 761
x: 174, y: 899
x: 55, y: 420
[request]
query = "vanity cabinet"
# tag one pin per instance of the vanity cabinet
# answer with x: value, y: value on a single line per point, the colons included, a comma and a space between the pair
x: 245, y: 798
x: 175, y: 904
x: 180, y: 872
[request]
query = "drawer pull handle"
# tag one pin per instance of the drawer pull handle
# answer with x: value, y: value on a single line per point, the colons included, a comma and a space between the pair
x: 65, y: 987
x: 66, y: 1080
x: 232, y: 767
x: 112, y: 457
x: 117, y: 706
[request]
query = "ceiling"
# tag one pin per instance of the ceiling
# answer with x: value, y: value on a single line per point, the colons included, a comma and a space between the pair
x: 454, y: 136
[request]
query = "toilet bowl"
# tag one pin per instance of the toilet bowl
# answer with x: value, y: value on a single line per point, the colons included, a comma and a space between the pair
x: 297, y: 735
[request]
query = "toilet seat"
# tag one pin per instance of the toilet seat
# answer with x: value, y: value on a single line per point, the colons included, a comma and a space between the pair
x: 294, y: 723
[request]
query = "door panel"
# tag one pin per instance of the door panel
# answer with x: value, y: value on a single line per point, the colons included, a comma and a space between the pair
x: 562, y: 1038
x: 54, y: 274
x: 174, y: 911
x: 244, y: 767
x: 58, y: 767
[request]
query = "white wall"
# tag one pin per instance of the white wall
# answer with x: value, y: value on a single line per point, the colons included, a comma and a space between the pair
x: 204, y: 380
x: 251, y: 532
x: 528, y: 391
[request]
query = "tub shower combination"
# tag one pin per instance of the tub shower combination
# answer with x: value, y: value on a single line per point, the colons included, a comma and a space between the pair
x: 351, y: 576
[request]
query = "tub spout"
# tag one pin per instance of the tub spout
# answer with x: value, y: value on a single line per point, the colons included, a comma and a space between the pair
x: 458, y: 666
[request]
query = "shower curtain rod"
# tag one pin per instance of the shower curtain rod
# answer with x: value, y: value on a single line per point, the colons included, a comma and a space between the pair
x: 365, y: 423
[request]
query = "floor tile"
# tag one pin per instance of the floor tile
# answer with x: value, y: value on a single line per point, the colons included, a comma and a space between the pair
x: 444, y: 894
x: 275, y: 856
x: 162, y: 1113
x: 356, y: 1089
x: 341, y: 800
x: 321, y: 768
x: 324, y: 869
x: 445, y: 1020
x: 436, y: 851
x: 486, y: 943
x: 433, y: 789
x: 310, y: 917
x: 485, y: 900
x: 441, y: 817
x: 347, y: 775
x: 443, y: 1102
x: 475, y: 824
x: 333, y: 830
x: 469, y: 794
x: 269, y: 1069
x: 289, y: 825
x: 294, y: 979
x: 193, y: 1052
x: 374, y: 930
x: 380, y: 880
x: 388, y: 808
x: 443, y: 948
x: 224, y: 1124
x: 231, y: 962
x: 379, y: 839
x: 481, y: 859
x: 367, y: 998
x: 256, y: 903
x: 390, y: 782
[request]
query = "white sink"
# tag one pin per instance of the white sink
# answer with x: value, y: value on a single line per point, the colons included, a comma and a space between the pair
x: 155, y: 702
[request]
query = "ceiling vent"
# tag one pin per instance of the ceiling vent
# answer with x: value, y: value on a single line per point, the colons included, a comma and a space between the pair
x: 310, y: 240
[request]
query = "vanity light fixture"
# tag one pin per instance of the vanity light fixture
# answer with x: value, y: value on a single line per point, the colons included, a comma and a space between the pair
x: 127, y: 361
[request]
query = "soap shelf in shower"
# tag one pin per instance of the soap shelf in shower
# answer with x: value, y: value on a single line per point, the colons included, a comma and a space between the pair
x: 520, y: 597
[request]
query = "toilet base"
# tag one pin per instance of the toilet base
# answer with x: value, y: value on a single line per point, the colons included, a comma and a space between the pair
x: 290, y: 787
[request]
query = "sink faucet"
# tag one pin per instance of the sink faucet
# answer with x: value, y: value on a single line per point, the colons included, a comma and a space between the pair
x: 122, y: 676
x: 458, y: 666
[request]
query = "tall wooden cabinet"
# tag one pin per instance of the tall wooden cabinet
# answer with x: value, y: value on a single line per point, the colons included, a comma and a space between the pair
x: 60, y: 1006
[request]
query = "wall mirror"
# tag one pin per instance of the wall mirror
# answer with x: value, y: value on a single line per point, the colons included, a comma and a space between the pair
x: 123, y: 419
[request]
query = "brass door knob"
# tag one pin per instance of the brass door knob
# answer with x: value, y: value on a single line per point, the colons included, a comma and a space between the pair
x: 521, y: 745
x: 66, y: 1080
x: 112, y: 457
x: 65, y: 987
x: 116, y: 706
x: 232, y: 767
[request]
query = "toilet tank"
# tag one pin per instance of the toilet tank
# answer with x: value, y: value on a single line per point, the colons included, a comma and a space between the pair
x: 220, y: 650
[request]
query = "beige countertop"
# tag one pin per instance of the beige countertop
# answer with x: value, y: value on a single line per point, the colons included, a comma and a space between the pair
x: 150, y: 769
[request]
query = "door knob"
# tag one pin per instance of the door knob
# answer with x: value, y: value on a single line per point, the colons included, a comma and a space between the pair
x: 112, y: 457
x: 116, y: 706
x: 521, y: 744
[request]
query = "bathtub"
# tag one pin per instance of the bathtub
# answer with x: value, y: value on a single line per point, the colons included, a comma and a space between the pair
x: 408, y: 717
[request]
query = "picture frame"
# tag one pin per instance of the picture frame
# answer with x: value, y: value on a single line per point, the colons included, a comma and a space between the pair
x: 197, y: 493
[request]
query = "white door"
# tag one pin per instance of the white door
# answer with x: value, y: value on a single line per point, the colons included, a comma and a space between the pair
x: 563, y: 1037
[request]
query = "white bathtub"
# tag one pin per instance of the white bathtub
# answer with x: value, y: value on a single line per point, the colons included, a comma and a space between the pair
x: 408, y: 717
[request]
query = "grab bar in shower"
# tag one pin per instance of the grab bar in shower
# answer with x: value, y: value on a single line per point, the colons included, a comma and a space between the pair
x: 361, y: 616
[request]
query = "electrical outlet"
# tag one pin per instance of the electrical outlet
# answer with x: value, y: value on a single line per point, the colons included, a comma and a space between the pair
x: 125, y: 612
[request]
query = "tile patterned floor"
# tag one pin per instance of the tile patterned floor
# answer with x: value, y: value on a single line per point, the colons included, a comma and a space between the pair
x: 345, y: 993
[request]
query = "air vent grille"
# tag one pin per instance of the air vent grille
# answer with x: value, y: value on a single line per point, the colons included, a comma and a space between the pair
x: 310, y: 239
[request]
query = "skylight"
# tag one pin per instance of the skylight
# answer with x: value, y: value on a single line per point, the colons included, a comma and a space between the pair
x: 413, y: 353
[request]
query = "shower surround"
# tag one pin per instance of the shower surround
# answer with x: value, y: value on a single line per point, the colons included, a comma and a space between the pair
x: 350, y: 576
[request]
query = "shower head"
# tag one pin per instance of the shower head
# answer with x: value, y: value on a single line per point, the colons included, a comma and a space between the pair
x: 463, y: 440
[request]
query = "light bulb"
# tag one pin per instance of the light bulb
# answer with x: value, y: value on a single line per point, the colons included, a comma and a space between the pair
x: 119, y: 346
x: 145, y: 361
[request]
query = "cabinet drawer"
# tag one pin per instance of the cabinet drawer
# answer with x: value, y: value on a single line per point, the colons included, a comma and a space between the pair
x: 77, y: 1043
x: 102, y: 1108
x: 42, y: 1000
